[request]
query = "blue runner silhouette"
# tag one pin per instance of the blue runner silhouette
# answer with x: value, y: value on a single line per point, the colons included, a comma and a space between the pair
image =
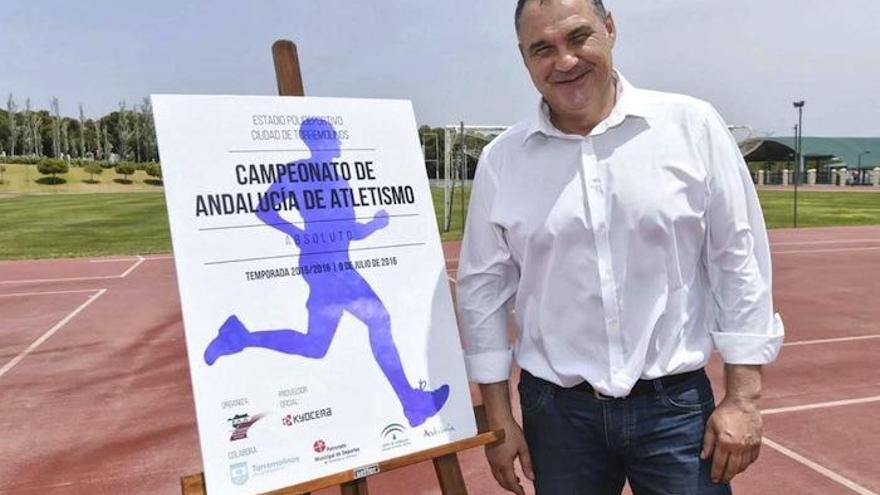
x: 331, y: 293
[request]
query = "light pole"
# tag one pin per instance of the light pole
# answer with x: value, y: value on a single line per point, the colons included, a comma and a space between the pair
x: 866, y: 152
x: 797, y: 168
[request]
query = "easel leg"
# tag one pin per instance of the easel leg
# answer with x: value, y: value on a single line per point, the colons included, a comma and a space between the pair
x: 356, y: 487
x: 449, y: 474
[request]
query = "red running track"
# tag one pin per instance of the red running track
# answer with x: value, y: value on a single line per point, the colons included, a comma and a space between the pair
x: 95, y: 394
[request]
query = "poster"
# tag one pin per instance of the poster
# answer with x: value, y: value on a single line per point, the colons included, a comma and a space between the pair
x: 319, y: 325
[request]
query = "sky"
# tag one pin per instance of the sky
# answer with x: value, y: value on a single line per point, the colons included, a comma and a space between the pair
x: 455, y: 59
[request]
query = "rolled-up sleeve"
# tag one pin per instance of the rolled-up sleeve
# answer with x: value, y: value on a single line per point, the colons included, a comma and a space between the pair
x: 487, y: 279
x: 737, y: 254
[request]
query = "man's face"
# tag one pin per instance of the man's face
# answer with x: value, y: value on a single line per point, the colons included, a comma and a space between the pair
x: 566, y: 47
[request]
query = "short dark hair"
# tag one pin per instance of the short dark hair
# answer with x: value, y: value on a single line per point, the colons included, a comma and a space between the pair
x: 597, y: 4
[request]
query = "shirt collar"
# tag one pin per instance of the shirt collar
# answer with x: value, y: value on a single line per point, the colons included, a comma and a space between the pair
x: 629, y: 104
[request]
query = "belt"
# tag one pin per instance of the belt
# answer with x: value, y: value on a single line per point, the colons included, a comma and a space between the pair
x: 642, y: 387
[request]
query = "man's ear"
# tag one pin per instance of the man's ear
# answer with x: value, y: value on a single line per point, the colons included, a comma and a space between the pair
x: 522, y: 53
x: 611, y: 28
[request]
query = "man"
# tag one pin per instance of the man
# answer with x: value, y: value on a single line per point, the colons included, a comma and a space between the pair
x: 622, y: 228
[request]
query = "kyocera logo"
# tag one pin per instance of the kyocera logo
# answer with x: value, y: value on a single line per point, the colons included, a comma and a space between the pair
x: 292, y: 419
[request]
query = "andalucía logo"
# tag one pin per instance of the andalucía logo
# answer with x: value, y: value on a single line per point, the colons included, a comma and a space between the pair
x: 394, y: 436
x: 241, y: 423
x: 438, y: 430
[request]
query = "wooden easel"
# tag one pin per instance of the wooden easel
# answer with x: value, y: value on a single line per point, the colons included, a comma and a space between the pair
x: 354, y: 482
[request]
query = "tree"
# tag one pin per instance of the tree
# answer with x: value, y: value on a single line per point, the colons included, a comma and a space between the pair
x: 65, y: 137
x: 82, y: 132
x: 13, y: 126
x: 99, y: 140
x: 108, y: 148
x: 32, y: 129
x: 125, y: 169
x: 53, y: 166
x: 154, y: 170
x: 149, y: 131
x: 56, y: 127
x: 2, y: 172
x: 124, y: 130
x: 93, y: 169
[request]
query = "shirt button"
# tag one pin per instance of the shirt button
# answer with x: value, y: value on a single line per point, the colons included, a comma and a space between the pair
x: 613, y: 324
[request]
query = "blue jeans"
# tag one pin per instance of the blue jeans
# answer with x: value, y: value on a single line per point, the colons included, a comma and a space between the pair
x: 581, y: 444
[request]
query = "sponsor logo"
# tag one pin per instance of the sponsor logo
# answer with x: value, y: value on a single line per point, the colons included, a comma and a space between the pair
x: 241, y: 423
x: 394, y: 436
x: 438, y: 430
x: 292, y: 419
x: 238, y: 473
x: 262, y: 468
x: 329, y: 454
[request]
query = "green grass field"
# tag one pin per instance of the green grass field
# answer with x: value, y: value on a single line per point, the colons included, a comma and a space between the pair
x: 820, y: 209
x: 67, y: 225
x: 24, y: 179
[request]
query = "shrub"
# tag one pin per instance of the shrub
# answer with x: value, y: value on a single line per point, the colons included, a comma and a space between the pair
x: 125, y: 169
x: 21, y: 160
x: 93, y: 169
x: 154, y: 170
x: 52, y: 166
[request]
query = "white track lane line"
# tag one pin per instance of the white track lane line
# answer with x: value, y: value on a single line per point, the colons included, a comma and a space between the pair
x: 818, y: 468
x: 49, y: 293
x: 831, y: 341
x: 47, y: 280
x: 807, y: 243
x: 155, y: 258
x: 11, y: 364
x: 133, y: 258
x: 836, y: 250
x: 140, y: 259
x: 821, y: 405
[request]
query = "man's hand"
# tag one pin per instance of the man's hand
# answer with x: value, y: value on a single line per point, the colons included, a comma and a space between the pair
x: 496, y: 400
x: 733, y: 433
x: 501, y: 456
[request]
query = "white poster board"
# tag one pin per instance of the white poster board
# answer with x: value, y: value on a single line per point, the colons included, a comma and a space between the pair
x: 319, y: 323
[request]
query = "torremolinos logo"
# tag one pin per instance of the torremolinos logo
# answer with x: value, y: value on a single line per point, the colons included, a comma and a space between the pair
x: 238, y: 473
x: 394, y: 436
x: 241, y: 423
x: 292, y: 419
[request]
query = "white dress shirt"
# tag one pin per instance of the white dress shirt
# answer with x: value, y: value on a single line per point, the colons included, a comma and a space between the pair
x: 628, y: 253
